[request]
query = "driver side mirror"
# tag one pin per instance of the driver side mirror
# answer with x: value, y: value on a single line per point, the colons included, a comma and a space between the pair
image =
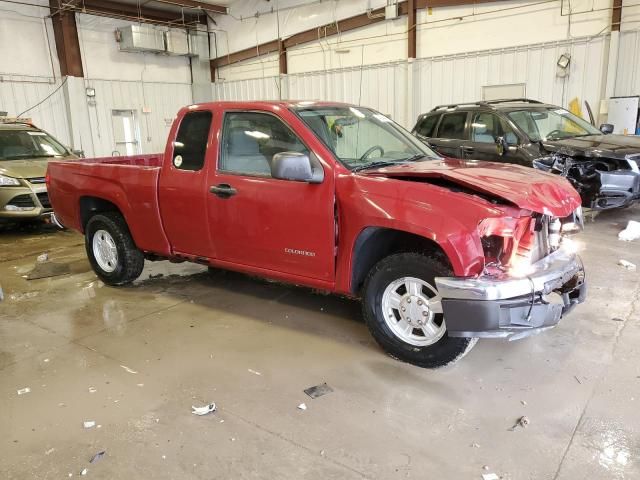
x: 503, y: 146
x: 606, y: 128
x: 296, y: 167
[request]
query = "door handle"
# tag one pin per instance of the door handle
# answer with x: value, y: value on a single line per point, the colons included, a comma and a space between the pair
x: 467, y: 149
x: 223, y: 190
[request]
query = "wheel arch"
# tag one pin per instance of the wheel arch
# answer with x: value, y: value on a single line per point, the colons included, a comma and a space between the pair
x: 91, y: 206
x: 375, y: 243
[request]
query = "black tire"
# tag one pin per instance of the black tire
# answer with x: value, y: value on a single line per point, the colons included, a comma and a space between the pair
x: 446, y: 350
x: 130, y: 260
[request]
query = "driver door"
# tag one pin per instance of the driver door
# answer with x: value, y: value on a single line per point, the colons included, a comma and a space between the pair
x: 486, y: 128
x: 265, y: 223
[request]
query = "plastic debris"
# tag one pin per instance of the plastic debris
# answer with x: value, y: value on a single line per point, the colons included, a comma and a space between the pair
x: 83, y: 472
x: 93, y: 389
x: 490, y: 476
x: 97, y: 456
x: 203, y: 410
x: 42, y: 258
x: 302, y: 406
x: 24, y: 390
x: 50, y: 451
x: 632, y: 232
x: 89, y: 424
x: 254, y: 372
x: 318, y: 390
x: 521, y: 422
x: 48, y: 270
x: 129, y: 370
x: 626, y: 264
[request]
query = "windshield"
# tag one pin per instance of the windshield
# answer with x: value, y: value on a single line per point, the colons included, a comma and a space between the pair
x: 362, y: 138
x: 21, y: 144
x: 552, y: 124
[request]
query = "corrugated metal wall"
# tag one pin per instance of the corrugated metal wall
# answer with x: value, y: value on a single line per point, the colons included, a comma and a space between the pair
x: 447, y: 79
x: 20, y: 93
x: 628, y: 73
x: 164, y: 100
x: 460, y: 78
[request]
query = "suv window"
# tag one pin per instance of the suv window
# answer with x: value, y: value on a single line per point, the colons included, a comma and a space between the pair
x: 251, y: 139
x: 452, y: 125
x: 427, y: 125
x: 487, y: 127
x: 190, y: 146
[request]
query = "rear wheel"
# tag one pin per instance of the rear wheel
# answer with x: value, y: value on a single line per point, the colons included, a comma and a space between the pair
x: 111, y: 250
x: 403, y: 311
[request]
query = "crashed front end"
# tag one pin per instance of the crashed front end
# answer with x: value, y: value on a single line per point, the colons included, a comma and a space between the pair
x: 602, y: 183
x: 532, y: 278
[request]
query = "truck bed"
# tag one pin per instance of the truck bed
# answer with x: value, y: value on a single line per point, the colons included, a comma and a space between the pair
x: 128, y: 182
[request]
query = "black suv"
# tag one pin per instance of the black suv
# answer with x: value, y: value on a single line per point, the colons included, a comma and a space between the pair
x: 603, y: 168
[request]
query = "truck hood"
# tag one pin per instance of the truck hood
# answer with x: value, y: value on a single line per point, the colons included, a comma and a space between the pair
x: 522, y: 186
x: 34, y: 168
x: 610, y: 146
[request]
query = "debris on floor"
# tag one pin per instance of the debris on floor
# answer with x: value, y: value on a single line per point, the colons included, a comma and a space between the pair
x: 475, y: 445
x: 156, y: 275
x: 129, y: 370
x: 1, y: 294
x: 616, y: 319
x: 42, y: 258
x: 89, y: 424
x: 318, y: 390
x: 93, y: 389
x: 254, y: 372
x: 203, y: 410
x: 577, y: 379
x: 490, y: 476
x: 83, y: 472
x: 632, y: 232
x: 48, y: 269
x: 302, y: 406
x: 50, y: 451
x: 626, y: 264
x: 24, y: 390
x: 521, y: 422
x: 97, y: 456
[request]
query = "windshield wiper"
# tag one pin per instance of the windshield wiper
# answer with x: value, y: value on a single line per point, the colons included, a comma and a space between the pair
x: 415, y: 157
x: 378, y: 164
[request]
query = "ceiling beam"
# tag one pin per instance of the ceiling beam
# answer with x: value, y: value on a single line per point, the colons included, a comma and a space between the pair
x: 616, y: 16
x: 194, y: 5
x: 341, y: 26
x: 412, y: 34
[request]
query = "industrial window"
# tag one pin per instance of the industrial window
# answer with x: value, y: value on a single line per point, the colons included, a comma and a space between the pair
x: 251, y: 139
x: 452, y: 125
x: 427, y: 125
x: 190, y: 146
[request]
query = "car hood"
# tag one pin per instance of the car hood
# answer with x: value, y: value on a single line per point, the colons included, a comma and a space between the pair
x: 616, y: 146
x: 25, y: 168
x: 522, y: 186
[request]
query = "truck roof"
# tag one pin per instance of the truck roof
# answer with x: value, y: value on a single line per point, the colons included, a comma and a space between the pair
x: 279, y: 103
x: 17, y: 126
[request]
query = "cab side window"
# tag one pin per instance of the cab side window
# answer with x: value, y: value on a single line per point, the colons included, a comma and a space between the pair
x: 487, y: 127
x: 251, y: 139
x: 452, y: 125
x: 190, y: 146
x: 427, y: 125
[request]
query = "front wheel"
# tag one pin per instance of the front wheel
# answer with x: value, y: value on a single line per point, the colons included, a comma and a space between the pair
x: 111, y: 250
x: 403, y: 311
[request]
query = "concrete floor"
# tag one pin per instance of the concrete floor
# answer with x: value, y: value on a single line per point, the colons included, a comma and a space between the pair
x: 252, y: 347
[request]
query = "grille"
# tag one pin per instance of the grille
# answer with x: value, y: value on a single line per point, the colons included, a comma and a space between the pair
x: 43, y: 198
x: 22, y: 201
x: 37, y: 180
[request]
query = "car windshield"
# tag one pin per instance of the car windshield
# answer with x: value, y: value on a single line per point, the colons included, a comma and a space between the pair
x: 361, y: 138
x: 23, y: 144
x: 551, y: 124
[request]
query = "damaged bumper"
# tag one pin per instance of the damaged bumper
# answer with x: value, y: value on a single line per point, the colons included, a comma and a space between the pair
x: 514, y: 307
x: 619, y: 188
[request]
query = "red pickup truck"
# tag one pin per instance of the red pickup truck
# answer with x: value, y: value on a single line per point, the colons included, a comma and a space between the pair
x: 339, y: 197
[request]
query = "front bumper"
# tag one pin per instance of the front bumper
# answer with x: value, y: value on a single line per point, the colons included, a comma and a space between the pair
x: 489, y: 306
x: 619, y: 188
x: 25, y: 202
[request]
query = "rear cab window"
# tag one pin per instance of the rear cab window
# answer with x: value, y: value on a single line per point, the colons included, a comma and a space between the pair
x: 190, y: 146
x: 452, y: 126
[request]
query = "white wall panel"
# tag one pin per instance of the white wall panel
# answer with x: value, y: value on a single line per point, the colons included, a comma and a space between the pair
x: 460, y: 78
x: 163, y: 99
x: 17, y: 94
x: 267, y: 88
x: 628, y: 74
